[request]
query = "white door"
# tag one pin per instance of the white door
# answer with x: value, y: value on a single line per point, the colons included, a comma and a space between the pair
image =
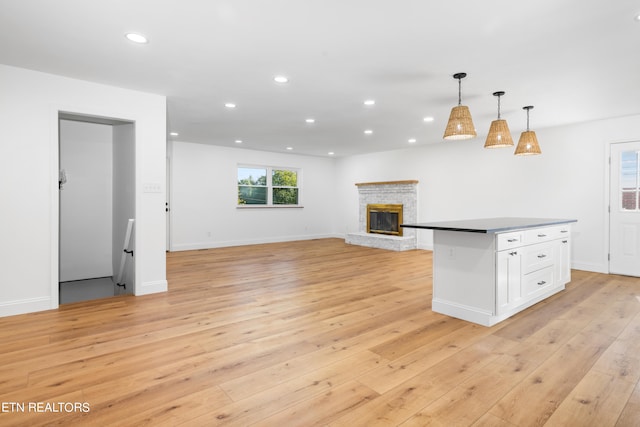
x: 167, y: 207
x: 624, y: 218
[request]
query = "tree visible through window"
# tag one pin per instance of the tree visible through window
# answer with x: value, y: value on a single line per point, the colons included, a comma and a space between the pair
x: 264, y: 185
x: 252, y: 186
x: 285, y: 187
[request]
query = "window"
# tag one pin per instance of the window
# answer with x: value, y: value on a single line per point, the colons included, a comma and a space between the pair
x: 268, y: 186
x: 630, y: 180
x: 252, y: 186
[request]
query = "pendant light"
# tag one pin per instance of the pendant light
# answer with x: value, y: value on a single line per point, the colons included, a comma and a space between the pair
x: 499, y: 135
x: 460, y: 125
x: 528, y: 143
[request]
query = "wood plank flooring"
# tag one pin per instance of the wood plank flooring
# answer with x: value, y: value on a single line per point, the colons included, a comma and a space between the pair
x: 321, y: 333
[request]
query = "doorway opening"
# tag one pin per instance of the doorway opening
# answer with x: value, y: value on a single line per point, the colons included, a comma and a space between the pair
x: 96, y: 201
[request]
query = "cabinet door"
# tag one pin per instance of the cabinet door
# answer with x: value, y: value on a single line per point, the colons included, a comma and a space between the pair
x: 563, y: 262
x: 508, y: 280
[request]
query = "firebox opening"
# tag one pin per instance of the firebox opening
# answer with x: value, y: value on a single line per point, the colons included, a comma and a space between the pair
x: 384, y: 219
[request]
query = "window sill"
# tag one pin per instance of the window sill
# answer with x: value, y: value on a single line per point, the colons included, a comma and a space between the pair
x: 269, y: 207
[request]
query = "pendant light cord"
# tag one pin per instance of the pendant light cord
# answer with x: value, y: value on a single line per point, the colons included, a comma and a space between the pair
x: 498, y: 107
x: 528, y: 107
x: 459, y: 76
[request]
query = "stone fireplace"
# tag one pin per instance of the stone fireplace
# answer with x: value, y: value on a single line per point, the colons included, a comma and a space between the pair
x: 383, y: 206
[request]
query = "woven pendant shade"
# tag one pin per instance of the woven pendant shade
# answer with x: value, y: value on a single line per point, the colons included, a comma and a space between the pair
x: 499, y: 135
x: 528, y: 144
x: 460, y: 125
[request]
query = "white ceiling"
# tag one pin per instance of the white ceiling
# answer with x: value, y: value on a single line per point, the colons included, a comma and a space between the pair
x: 574, y: 60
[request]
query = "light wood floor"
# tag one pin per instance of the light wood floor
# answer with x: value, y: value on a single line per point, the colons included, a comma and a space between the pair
x: 323, y: 333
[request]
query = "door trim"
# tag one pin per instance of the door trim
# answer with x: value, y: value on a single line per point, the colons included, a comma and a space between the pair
x: 55, y: 114
x: 607, y: 204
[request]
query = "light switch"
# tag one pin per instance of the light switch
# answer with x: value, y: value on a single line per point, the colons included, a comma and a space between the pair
x: 151, y: 187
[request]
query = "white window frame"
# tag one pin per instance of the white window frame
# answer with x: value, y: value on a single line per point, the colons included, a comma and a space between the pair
x: 270, y: 186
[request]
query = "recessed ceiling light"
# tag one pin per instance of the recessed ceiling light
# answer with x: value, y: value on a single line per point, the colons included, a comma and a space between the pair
x: 281, y: 79
x: 310, y: 120
x: 368, y: 132
x: 331, y: 153
x: 289, y: 148
x: 637, y: 17
x: 174, y: 134
x: 370, y: 102
x: 412, y: 141
x: 136, y: 38
x: 230, y: 105
x: 238, y: 141
x: 428, y: 119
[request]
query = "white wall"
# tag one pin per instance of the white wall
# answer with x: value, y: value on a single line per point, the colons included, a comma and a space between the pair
x: 86, y: 201
x: 29, y: 108
x: 204, y: 196
x: 460, y: 180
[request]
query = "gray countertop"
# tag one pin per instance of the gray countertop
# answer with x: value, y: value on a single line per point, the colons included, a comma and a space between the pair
x: 489, y: 225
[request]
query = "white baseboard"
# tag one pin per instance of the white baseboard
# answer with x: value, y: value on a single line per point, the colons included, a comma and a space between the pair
x: 425, y: 247
x: 30, y: 305
x: 228, y: 243
x: 152, y: 287
x: 595, y: 268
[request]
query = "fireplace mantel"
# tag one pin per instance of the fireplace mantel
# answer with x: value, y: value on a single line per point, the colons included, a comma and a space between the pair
x: 408, y: 182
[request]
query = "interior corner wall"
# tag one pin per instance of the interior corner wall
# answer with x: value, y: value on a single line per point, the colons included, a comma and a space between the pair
x: 462, y: 180
x: 204, y: 212
x: 124, y: 165
x: 86, y: 200
x: 29, y: 108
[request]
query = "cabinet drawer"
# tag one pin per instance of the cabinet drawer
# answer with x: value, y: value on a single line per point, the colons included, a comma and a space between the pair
x: 538, y: 235
x: 508, y: 240
x: 538, y: 282
x: 537, y: 257
x: 563, y: 231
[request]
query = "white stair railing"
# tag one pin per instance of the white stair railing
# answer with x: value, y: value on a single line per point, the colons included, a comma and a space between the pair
x: 125, y: 251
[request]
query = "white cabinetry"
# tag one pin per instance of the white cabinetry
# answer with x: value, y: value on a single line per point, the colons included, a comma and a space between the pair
x: 488, y: 277
x: 509, y: 291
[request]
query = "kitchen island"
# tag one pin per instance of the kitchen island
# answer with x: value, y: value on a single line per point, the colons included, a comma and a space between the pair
x: 486, y: 270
